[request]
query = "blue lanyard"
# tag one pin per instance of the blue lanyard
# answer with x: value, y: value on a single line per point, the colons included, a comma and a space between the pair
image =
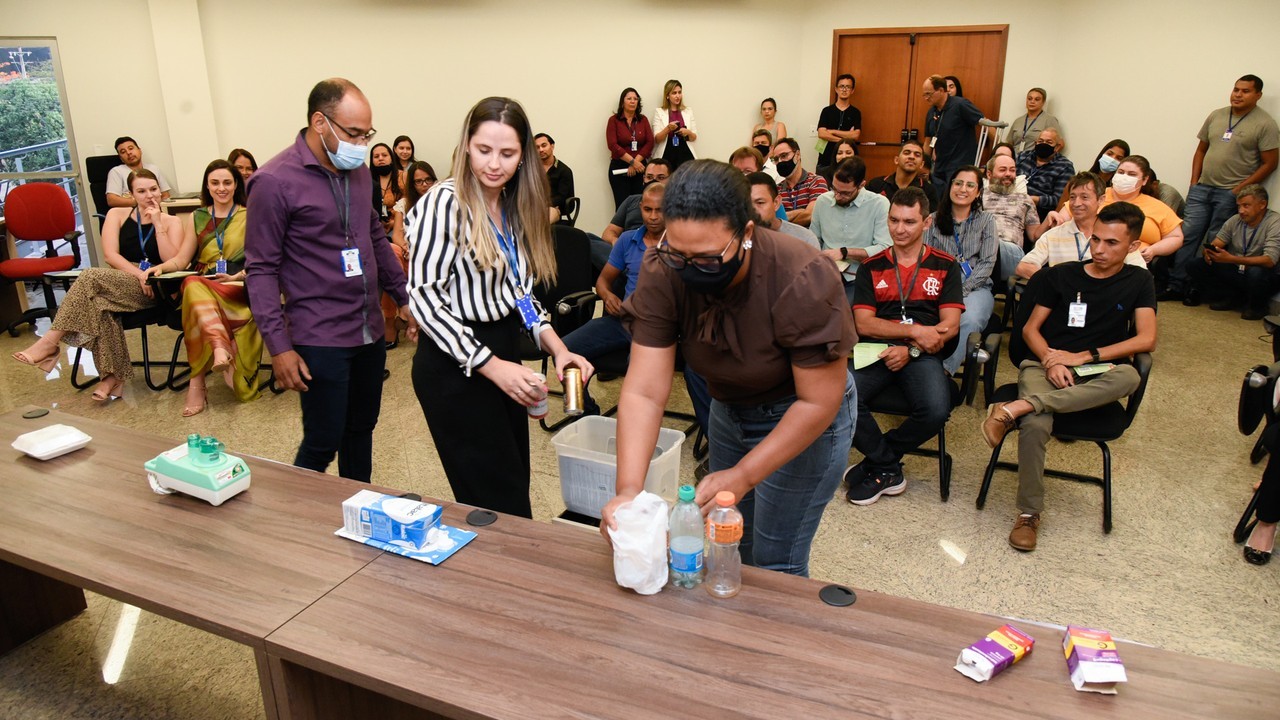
x: 508, y: 244
x: 1245, y: 238
x: 1079, y: 250
x: 958, y: 237
x: 143, y: 240
x: 218, y: 233
x: 1231, y: 126
x: 1025, y: 126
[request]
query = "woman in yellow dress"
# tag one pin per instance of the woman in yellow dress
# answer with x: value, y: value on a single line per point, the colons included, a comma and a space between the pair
x: 220, y: 332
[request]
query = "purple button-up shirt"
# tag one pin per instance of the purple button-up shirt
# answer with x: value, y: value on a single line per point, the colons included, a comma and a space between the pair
x: 294, y: 240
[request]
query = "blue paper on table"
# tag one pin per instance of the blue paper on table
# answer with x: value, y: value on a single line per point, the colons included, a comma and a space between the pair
x: 434, y: 553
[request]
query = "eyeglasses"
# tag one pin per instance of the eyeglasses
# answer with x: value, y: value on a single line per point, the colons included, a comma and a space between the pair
x: 841, y: 193
x: 424, y: 182
x: 964, y: 184
x: 783, y: 157
x: 844, y: 87
x: 929, y: 93
x: 704, y: 263
x: 365, y: 136
x: 655, y: 178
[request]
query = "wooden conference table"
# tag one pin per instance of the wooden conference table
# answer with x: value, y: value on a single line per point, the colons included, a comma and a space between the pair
x: 526, y: 621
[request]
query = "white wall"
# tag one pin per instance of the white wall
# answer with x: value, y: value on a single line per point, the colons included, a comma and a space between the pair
x: 1145, y: 72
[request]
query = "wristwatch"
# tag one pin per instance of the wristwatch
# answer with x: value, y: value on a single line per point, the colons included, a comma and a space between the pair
x: 1095, y: 355
x: 914, y: 352
x: 844, y: 253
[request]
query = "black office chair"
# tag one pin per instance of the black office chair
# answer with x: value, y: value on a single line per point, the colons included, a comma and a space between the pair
x: 167, y: 312
x: 1100, y: 425
x: 1257, y: 403
x: 96, y: 169
x: 570, y: 215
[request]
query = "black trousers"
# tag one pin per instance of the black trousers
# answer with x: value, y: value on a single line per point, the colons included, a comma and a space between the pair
x: 481, y: 434
x: 340, y: 408
x: 623, y: 185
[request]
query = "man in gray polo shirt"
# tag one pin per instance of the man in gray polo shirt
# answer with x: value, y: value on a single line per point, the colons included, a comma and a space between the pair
x: 1239, y: 146
x: 1241, y: 260
x: 851, y: 223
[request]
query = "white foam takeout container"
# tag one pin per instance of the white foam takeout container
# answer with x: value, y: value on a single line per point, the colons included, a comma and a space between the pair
x: 50, y: 442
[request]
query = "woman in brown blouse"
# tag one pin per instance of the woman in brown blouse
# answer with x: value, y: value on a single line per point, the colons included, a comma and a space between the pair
x: 629, y: 137
x: 763, y: 317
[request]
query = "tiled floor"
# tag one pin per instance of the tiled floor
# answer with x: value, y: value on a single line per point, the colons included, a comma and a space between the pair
x: 1168, y: 575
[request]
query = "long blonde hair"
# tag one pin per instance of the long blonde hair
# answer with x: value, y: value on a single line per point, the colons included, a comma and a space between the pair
x: 525, y: 198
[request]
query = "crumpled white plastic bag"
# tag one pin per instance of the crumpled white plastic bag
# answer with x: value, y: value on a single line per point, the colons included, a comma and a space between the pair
x: 640, y: 544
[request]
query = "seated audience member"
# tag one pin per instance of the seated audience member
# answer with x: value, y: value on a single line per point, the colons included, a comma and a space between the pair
x: 1162, y: 233
x: 851, y: 223
x: 1024, y: 131
x: 845, y: 149
x: 1047, y: 171
x: 1015, y: 212
x: 1108, y: 159
x: 404, y: 152
x: 762, y: 141
x: 386, y: 185
x: 909, y: 297
x: 118, y: 177
x: 765, y: 203
x: 559, y: 175
x: 1116, y: 296
x: 1005, y: 149
x: 242, y: 160
x: 961, y: 229
x: 137, y: 243
x: 769, y: 123
x: 799, y: 188
x: 1069, y: 240
x: 1240, y: 262
x: 418, y: 179
x: 747, y: 159
x: 218, y: 327
x: 1166, y: 193
x: 908, y: 164
x: 627, y: 216
x: 606, y: 334
x: 780, y: 431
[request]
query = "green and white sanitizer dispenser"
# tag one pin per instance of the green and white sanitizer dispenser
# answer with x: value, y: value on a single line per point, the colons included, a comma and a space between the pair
x: 199, y: 468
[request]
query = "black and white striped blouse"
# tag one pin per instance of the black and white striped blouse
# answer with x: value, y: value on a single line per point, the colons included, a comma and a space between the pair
x: 446, y: 288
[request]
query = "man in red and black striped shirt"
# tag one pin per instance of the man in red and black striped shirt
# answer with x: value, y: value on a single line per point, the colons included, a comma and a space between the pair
x: 911, y: 297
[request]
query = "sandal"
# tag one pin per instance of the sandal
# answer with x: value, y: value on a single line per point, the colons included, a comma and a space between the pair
x: 46, y: 363
x: 223, y: 365
x: 190, y: 409
x: 109, y: 388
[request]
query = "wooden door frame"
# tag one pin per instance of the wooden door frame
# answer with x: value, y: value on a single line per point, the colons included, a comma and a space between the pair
x: 1003, y: 30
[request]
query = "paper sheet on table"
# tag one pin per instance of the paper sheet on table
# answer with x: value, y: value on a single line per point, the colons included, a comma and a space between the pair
x: 865, y: 353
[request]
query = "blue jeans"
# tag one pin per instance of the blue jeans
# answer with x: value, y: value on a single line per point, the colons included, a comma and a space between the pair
x: 1207, y: 208
x: 926, y: 389
x: 977, y: 312
x: 782, y: 513
x: 599, y: 337
x: 1256, y: 284
x: 1008, y: 259
x: 340, y: 407
x: 700, y: 396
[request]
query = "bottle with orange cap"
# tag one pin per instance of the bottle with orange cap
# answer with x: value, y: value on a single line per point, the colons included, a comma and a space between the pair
x: 724, y: 532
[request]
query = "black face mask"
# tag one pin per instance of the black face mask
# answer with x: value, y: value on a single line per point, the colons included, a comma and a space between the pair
x: 764, y: 149
x: 381, y: 170
x: 716, y: 282
x: 1044, y: 151
x: 786, y: 168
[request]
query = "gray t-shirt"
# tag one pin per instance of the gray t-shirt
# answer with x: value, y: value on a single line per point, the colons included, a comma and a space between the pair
x: 1265, y: 240
x: 799, y: 231
x: 118, y: 179
x: 1228, y: 162
x: 1023, y: 132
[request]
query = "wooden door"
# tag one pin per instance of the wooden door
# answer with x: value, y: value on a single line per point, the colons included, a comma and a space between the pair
x: 891, y: 65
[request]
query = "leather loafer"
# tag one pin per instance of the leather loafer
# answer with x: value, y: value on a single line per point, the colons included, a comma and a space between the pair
x: 1192, y: 298
x: 1023, y: 535
x: 1256, y: 557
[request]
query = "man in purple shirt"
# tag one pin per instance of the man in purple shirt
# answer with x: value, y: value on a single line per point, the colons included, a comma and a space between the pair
x: 314, y: 238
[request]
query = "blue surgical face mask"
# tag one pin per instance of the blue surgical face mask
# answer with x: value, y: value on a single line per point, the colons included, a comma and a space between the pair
x: 1106, y: 163
x: 349, y: 155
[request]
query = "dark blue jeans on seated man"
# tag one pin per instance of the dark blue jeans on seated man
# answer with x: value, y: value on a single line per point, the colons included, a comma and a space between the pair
x: 927, y: 390
x: 340, y: 407
x: 1255, y: 285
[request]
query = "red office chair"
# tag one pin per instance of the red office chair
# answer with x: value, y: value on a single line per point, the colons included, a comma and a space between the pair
x: 40, y: 212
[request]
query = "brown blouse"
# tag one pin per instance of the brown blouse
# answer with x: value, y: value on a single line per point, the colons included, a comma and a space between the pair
x: 789, y: 310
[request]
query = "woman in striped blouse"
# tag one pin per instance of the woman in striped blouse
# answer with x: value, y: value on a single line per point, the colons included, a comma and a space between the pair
x: 478, y: 242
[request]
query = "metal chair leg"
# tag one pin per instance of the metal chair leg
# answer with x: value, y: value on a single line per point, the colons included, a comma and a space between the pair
x: 987, y: 475
x: 1106, y: 487
x: 944, y: 466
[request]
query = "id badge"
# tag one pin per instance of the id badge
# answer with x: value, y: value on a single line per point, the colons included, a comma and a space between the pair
x: 528, y: 315
x: 221, y: 267
x: 1226, y: 136
x: 1241, y: 269
x: 351, y: 263
x: 1076, y: 313
x: 634, y: 146
x: 907, y: 321
x: 965, y: 270
x: 144, y: 265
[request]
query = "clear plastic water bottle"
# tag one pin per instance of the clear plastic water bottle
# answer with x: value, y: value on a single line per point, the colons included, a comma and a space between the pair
x: 724, y: 531
x: 686, y: 543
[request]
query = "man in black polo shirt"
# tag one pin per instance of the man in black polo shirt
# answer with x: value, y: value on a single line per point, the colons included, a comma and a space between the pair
x: 955, y: 142
x: 839, y: 121
x: 1080, y: 324
x: 908, y: 163
x: 909, y: 296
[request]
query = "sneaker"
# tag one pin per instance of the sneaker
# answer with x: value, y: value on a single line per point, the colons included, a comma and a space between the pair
x: 1023, y: 535
x: 1225, y: 304
x: 1253, y: 313
x: 1170, y: 294
x: 998, y: 424
x: 1192, y: 299
x: 855, y: 475
x: 879, y: 483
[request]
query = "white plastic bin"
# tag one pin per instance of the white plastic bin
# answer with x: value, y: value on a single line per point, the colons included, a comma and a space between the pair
x: 588, y: 452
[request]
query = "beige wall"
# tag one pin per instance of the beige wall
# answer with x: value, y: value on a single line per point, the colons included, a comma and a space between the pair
x: 567, y: 61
